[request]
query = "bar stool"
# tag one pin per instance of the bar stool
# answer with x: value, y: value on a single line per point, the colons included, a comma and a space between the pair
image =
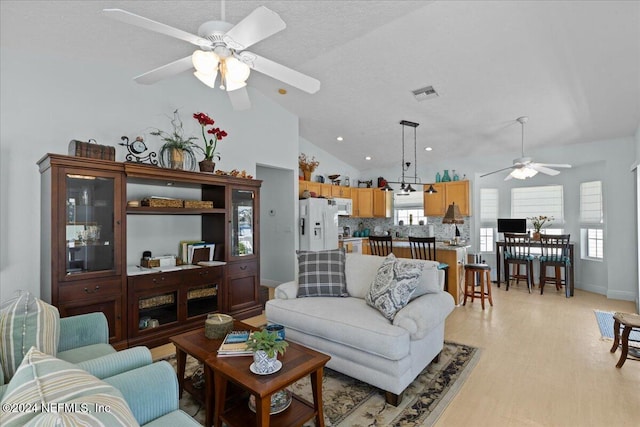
x: 629, y: 321
x: 484, y: 271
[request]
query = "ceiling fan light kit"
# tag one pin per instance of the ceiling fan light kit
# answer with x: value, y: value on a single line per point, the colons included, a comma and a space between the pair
x: 524, y: 167
x: 221, y: 50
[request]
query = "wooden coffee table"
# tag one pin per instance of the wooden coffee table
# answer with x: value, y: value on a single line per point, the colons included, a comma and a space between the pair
x: 196, y: 344
x: 297, y: 362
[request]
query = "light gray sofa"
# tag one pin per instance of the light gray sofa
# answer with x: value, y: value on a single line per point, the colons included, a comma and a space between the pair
x: 362, y: 343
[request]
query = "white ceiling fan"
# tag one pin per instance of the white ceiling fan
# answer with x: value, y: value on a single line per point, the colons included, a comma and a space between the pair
x: 524, y: 167
x: 221, y: 50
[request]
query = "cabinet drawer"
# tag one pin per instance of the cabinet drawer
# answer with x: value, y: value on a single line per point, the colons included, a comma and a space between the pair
x: 202, y: 276
x: 90, y: 289
x: 242, y: 268
x: 151, y: 281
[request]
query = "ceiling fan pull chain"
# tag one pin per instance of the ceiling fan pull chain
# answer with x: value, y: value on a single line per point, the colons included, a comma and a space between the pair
x: 222, y: 11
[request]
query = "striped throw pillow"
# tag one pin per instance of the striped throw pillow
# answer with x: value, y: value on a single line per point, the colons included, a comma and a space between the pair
x: 43, y: 385
x: 26, y: 321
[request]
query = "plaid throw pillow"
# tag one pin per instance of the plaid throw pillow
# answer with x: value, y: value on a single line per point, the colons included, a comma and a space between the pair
x: 395, y: 282
x: 321, y: 274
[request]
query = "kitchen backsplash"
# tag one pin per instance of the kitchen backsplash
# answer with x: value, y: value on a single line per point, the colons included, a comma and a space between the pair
x: 440, y: 231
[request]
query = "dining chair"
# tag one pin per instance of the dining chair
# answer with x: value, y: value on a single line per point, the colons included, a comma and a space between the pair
x: 555, y: 253
x: 381, y: 245
x: 517, y: 252
x: 425, y: 248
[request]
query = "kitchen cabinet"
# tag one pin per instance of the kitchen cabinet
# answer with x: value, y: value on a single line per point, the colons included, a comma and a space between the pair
x: 382, y: 203
x: 338, y: 191
x: 362, y: 202
x: 313, y: 187
x: 436, y: 204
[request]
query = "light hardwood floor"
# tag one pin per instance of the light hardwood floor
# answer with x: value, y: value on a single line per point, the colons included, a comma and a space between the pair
x: 543, y: 363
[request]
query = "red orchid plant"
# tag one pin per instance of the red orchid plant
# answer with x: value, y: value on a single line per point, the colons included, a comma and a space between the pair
x: 209, y: 144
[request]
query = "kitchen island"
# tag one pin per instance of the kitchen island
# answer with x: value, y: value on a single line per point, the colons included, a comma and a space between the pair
x: 453, y: 255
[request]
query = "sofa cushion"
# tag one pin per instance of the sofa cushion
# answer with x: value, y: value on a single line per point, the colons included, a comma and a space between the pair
x: 346, y: 321
x: 395, y: 282
x: 360, y: 271
x: 94, y: 410
x: 321, y: 273
x: 26, y: 321
x: 43, y: 379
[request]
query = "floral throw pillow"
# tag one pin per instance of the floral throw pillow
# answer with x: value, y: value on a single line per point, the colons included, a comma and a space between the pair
x: 393, y: 285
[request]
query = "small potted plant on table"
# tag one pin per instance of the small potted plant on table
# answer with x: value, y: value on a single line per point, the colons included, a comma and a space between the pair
x: 265, y: 346
x: 538, y: 222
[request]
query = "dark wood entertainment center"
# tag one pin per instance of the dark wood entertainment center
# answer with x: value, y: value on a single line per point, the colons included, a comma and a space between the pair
x: 83, y: 249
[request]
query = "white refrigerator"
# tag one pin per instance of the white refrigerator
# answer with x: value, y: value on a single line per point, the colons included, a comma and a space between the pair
x: 318, y: 228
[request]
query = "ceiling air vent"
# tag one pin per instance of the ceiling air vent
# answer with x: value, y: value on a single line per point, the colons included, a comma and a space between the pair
x: 425, y: 93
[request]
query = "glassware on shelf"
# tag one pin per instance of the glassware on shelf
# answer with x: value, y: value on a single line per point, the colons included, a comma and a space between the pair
x: 446, y: 177
x: 456, y: 177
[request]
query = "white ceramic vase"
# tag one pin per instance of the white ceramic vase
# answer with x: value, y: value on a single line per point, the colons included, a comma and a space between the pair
x: 263, y: 363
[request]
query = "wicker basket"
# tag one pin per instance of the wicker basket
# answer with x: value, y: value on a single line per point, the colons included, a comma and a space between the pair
x: 162, y: 203
x: 208, y: 291
x: 199, y: 204
x: 156, y: 301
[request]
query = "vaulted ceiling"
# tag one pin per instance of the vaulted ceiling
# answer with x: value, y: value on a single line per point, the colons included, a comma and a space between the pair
x: 573, y: 67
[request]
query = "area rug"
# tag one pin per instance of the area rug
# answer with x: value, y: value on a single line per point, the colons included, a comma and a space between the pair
x: 352, y: 403
x: 605, y: 323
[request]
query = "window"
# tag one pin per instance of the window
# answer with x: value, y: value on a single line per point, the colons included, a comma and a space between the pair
x: 488, y: 218
x: 408, y: 206
x: 527, y: 202
x: 591, y: 220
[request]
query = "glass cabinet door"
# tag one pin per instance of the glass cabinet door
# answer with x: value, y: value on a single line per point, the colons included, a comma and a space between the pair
x: 242, y: 222
x: 90, y: 223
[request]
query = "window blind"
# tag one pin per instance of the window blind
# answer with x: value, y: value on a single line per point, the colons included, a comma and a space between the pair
x: 591, y: 211
x: 527, y: 202
x: 488, y: 205
x: 411, y: 200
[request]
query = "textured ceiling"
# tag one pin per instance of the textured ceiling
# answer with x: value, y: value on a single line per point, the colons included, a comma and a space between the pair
x: 573, y: 67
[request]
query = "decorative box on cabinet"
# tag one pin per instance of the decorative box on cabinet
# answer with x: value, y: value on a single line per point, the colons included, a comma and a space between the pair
x: 82, y: 238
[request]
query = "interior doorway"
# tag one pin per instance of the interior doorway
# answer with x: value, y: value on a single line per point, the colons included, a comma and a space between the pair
x: 277, y: 219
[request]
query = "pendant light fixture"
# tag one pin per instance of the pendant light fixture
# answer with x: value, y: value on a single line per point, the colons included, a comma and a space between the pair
x: 405, y: 182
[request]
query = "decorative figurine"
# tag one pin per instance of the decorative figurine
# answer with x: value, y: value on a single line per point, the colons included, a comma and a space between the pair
x: 136, y: 148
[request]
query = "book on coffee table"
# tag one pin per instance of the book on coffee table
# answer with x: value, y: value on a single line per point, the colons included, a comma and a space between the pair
x: 235, y: 344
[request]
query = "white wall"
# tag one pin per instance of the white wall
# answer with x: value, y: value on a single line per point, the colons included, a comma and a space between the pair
x: 636, y: 170
x: 47, y: 101
x: 329, y: 164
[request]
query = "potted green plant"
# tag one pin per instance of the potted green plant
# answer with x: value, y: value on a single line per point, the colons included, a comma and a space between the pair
x: 209, y: 150
x: 538, y: 222
x: 177, y: 147
x: 265, y: 346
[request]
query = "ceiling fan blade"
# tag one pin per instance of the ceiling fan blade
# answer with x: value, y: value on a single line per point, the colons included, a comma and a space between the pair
x: 169, y: 70
x: 508, y: 177
x: 499, y: 170
x: 563, y: 165
x: 148, y: 24
x: 258, y: 25
x: 538, y: 167
x: 239, y: 99
x: 280, y: 72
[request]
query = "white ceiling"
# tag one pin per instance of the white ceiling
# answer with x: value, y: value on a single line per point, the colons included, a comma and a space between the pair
x: 573, y: 67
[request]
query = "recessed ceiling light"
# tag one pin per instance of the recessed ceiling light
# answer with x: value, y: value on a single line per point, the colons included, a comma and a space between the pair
x: 282, y: 91
x: 428, y: 149
x: 340, y: 138
x: 368, y: 158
